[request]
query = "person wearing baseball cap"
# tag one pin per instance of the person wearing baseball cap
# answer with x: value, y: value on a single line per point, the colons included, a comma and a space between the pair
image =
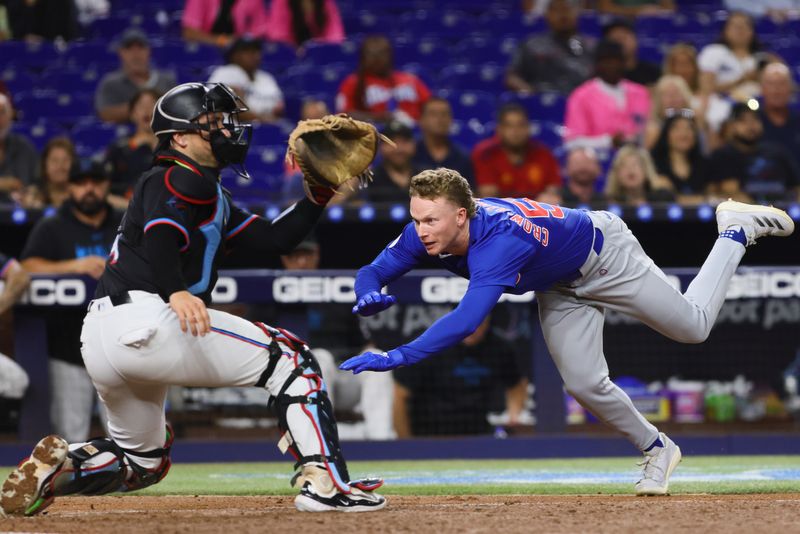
x: 393, y: 175
x: 242, y: 72
x: 117, y: 88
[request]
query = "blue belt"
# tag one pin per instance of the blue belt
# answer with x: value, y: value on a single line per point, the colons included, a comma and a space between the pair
x: 597, y: 246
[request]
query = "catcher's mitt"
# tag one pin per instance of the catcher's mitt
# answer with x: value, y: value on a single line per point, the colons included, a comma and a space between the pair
x: 332, y: 150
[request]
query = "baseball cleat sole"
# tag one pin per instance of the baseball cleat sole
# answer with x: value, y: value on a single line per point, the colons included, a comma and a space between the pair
x: 22, y: 491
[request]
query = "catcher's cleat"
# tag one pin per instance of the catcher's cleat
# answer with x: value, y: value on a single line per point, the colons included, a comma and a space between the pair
x: 657, y: 466
x: 756, y: 221
x: 27, y: 490
x: 355, y: 501
x: 318, y: 493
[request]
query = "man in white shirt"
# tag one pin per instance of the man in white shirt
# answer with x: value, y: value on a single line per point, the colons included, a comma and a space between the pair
x: 256, y: 87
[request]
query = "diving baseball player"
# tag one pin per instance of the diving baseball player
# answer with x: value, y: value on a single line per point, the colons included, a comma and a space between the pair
x: 149, y: 327
x: 579, y: 263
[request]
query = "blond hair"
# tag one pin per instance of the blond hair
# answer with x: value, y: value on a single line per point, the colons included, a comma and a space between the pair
x: 436, y: 183
x: 613, y: 190
x: 657, y: 111
x: 689, y: 50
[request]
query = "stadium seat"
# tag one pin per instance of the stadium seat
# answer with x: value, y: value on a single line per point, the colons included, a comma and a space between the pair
x: 29, y: 56
x: 92, y: 137
x: 468, y: 133
x: 326, y: 53
x: 305, y: 78
x: 267, y: 134
x: 548, y: 133
x: 40, y: 132
x: 540, y: 106
x: 61, y: 80
x: 471, y: 105
x: 425, y: 51
x: 84, y: 53
x: 277, y: 56
x: 487, y: 77
x: 18, y: 81
x: 64, y: 108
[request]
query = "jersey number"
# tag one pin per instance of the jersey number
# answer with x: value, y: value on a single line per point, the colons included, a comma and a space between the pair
x: 534, y: 210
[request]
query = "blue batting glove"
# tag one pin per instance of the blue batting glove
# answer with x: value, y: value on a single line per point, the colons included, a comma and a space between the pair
x: 374, y: 361
x: 372, y: 303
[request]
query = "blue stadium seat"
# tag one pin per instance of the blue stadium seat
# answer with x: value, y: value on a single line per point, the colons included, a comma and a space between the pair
x: 277, y: 56
x: 18, y: 81
x: 178, y: 53
x: 485, y: 49
x: 468, y: 133
x: 84, y: 53
x: 425, y: 72
x: 40, y: 132
x: 92, y: 137
x: 487, y: 77
x: 64, y: 108
x: 271, y: 134
x: 326, y: 53
x: 471, y: 105
x: 425, y: 51
x: 61, y: 80
x: 305, y: 78
x: 548, y: 133
x: 368, y: 22
x: 540, y: 106
x: 23, y: 55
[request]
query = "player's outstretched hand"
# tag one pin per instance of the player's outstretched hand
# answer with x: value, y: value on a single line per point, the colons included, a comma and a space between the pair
x: 374, y: 361
x: 191, y: 312
x: 372, y: 303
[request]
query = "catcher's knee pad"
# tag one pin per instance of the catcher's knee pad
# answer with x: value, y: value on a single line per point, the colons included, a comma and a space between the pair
x: 101, y: 466
x: 305, y: 416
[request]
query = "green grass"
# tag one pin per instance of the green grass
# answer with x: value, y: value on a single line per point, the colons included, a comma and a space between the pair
x: 697, y: 474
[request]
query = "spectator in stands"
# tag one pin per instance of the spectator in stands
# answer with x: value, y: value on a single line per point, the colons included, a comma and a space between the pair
x: 58, y: 157
x: 76, y: 239
x: 583, y: 172
x: 781, y: 122
x: 393, y: 175
x: 749, y: 168
x: 712, y: 110
x: 779, y: 11
x: 18, y: 158
x: 129, y: 156
x: 377, y: 92
x: 295, y: 22
x: 436, y: 149
x: 511, y: 164
x: 258, y: 88
x: 333, y: 337
x: 730, y: 66
x: 607, y: 110
x: 632, y: 180
x: 642, y: 72
x: 678, y: 157
x: 13, y: 378
x: 217, y: 22
x: 292, y: 190
x: 452, y: 393
x: 34, y: 20
x: 636, y: 8
x: 116, y: 89
x: 670, y: 93
x: 558, y: 61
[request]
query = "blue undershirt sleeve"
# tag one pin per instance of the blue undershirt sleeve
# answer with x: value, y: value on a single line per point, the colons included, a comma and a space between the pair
x: 455, y: 326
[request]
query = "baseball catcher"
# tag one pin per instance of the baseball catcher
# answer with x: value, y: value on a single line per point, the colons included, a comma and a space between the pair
x: 148, y: 326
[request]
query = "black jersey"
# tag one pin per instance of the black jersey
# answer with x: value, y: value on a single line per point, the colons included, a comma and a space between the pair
x: 181, y: 223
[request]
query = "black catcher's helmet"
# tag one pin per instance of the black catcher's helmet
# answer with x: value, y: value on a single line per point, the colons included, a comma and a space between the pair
x: 180, y: 109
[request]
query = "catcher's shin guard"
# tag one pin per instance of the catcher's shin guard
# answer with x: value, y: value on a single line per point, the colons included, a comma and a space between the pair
x: 305, y: 414
x: 101, y: 466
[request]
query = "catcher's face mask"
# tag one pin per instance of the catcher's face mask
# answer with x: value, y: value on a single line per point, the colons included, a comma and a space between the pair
x: 228, y: 137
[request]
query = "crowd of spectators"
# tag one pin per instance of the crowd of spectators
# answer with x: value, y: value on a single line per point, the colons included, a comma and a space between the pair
x: 680, y: 112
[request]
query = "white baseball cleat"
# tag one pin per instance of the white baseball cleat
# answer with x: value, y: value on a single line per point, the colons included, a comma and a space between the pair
x: 355, y: 501
x: 657, y: 466
x: 27, y: 491
x: 756, y: 221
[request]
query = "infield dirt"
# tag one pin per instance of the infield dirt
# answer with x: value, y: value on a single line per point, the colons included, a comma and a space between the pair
x: 441, y: 514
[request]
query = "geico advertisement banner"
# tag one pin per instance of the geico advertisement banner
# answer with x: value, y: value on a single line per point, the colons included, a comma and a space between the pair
x: 428, y: 287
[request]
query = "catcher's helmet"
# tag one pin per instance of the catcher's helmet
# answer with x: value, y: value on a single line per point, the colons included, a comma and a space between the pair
x: 180, y: 109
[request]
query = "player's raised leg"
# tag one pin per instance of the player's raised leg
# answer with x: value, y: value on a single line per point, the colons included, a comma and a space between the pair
x: 573, y: 330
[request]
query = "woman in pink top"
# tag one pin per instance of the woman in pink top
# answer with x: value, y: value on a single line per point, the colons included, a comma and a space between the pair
x: 296, y: 21
x: 607, y: 111
x: 217, y: 21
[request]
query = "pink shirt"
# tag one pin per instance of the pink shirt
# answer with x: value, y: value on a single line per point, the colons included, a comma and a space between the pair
x: 249, y: 16
x: 280, y: 24
x: 593, y: 111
